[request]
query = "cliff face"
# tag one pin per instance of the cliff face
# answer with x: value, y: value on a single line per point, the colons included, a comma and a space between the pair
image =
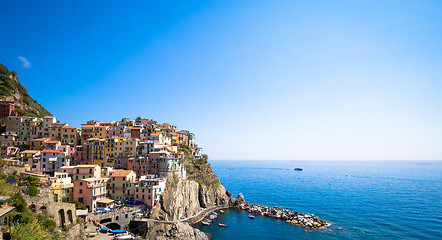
x: 176, y: 231
x: 186, y: 198
x: 12, y: 90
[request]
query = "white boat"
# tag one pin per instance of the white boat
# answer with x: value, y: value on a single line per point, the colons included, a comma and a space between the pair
x: 125, y: 237
x: 205, y: 223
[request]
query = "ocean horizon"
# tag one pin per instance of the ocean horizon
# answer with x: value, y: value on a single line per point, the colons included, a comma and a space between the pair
x: 395, y: 199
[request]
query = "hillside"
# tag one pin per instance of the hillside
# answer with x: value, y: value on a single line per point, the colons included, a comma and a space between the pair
x: 12, y: 90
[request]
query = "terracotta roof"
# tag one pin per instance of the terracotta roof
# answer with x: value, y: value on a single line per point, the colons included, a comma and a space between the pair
x: 86, y: 125
x: 121, y: 173
x: 51, y: 151
x: 68, y: 127
x: 51, y: 141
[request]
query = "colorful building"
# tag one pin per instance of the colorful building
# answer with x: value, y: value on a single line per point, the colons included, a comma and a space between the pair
x: 119, y: 183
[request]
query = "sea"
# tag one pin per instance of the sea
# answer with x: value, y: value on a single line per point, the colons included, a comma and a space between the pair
x: 361, y: 199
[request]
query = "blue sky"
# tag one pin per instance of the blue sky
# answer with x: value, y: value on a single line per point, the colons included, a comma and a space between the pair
x: 350, y: 80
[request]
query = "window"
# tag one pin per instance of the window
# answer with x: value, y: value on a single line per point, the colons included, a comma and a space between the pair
x: 81, y: 190
x: 81, y: 183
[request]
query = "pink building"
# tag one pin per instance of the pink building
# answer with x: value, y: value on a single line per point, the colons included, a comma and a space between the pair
x: 148, y: 190
x: 139, y: 165
x: 114, y: 132
x: 91, y: 192
x: 50, y: 144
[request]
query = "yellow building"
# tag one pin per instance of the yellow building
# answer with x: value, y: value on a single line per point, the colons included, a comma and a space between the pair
x: 70, y: 136
x: 118, y: 184
x: 109, y: 150
x: 98, y: 156
x: 128, y: 122
x: 36, y: 143
x: 100, y: 132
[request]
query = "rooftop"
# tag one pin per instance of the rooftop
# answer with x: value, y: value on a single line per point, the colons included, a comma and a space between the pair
x: 51, y: 151
x: 121, y: 173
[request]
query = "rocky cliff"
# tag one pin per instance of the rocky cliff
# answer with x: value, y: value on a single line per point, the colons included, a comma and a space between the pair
x: 186, y: 198
x: 12, y: 90
x: 176, y: 231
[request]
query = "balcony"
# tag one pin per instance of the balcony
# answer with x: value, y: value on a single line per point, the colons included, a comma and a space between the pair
x: 96, y: 185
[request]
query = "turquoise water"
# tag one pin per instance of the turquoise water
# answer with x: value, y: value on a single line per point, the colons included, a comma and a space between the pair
x: 362, y: 200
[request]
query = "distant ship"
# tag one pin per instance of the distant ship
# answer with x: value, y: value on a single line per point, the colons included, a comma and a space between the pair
x: 298, y: 169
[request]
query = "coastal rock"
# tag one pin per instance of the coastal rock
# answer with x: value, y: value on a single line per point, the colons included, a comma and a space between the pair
x: 305, y: 220
x: 176, y: 231
x: 239, y: 201
x: 211, y: 195
x: 186, y: 198
x: 180, y: 199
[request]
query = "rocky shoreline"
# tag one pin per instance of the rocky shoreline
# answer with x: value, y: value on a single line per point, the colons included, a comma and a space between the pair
x: 305, y: 220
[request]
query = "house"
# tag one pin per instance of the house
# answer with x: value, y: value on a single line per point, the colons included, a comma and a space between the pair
x: 148, y: 189
x: 90, y: 191
x: 35, y: 144
x: 70, y: 136
x: 50, y: 144
x: 139, y: 165
x: 118, y: 184
x: 62, y: 187
x: 52, y: 161
x: 9, y: 108
x: 100, y: 132
x: 32, y: 158
x: 126, y: 147
x: 163, y: 162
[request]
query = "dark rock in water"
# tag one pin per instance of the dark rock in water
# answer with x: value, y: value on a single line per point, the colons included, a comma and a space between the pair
x: 228, y: 194
x: 302, y: 219
x: 240, y: 201
x: 232, y: 200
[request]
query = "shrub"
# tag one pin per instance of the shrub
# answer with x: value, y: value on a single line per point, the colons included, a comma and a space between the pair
x: 33, y: 190
x: 79, y: 205
x: 18, y: 202
x: 49, y: 224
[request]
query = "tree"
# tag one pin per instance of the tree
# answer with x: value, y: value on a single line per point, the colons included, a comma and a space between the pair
x: 138, y: 119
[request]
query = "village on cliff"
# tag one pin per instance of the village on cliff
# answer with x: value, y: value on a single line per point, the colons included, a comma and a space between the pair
x: 101, y: 164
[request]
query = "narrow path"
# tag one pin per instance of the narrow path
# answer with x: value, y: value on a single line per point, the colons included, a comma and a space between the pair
x: 197, y: 217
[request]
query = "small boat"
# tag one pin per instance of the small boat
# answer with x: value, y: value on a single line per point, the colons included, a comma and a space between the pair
x: 251, y: 216
x: 91, y: 234
x: 205, y: 223
x: 222, y: 211
x: 223, y: 224
x: 125, y: 237
x: 298, y: 169
x: 213, y: 216
x: 208, y: 220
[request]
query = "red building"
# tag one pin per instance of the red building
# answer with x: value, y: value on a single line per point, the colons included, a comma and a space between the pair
x: 8, y: 108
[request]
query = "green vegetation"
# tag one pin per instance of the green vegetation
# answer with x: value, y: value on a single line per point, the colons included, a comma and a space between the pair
x: 23, y: 225
x: 11, y: 87
x: 33, y: 190
x: 79, y: 206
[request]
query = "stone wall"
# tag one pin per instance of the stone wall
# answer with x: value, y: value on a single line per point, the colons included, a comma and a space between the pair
x: 62, y: 213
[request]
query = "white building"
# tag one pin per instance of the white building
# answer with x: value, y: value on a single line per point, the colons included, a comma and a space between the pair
x: 52, y: 160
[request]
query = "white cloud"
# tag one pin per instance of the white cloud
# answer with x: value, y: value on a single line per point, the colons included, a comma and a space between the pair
x: 25, y: 62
